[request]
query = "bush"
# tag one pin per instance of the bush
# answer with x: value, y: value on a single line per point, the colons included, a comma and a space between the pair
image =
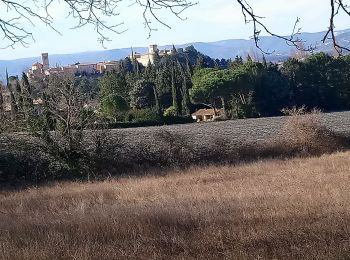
x: 304, y: 133
x: 142, y: 115
x: 171, y: 120
x: 166, y: 120
x: 170, y: 111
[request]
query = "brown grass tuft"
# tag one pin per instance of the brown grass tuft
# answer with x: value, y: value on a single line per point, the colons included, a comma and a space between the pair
x: 305, y: 134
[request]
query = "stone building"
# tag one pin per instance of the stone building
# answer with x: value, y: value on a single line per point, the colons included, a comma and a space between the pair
x: 207, y: 114
x: 45, y: 61
x: 107, y: 66
x: 39, y: 69
x: 149, y: 57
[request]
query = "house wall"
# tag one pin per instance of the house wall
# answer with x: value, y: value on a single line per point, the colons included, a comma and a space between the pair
x: 86, y: 68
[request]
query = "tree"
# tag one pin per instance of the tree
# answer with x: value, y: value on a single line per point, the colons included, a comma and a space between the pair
x: 271, y: 93
x: 336, y: 8
x: 27, y: 98
x: 93, y: 12
x: 186, y: 85
x: 142, y: 94
x: 1, y: 102
x: 88, y: 86
x: 114, y: 95
x: 115, y: 82
x: 14, y: 24
x: 209, y: 85
x: 60, y: 123
x: 113, y: 106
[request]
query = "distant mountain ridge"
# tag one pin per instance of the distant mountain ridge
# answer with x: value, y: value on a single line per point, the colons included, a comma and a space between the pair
x: 219, y: 49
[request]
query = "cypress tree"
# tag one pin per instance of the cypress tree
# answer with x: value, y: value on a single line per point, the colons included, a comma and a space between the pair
x: 26, y: 92
x: 173, y: 89
x: 186, y: 103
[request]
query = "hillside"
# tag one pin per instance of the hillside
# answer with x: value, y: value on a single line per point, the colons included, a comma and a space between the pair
x: 220, y: 49
x: 295, y: 209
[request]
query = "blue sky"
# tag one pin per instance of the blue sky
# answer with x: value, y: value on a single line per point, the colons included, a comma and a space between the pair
x: 208, y: 21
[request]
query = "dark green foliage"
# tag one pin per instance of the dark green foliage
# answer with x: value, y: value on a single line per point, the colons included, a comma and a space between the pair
x: 319, y: 81
x: 114, y: 95
x: 88, y: 86
x: 271, y: 94
x: 139, y: 115
x: 254, y: 89
x: 142, y: 94
x: 114, y: 82
x: 156, y: 121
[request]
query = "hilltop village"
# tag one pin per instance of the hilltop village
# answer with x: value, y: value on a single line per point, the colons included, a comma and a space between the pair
x: 39, y: 72
x: 183, y: 84
x: 43, y: 69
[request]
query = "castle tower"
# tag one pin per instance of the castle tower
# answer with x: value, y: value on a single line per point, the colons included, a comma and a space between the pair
x: 152, y: 49
x: 45, y: 61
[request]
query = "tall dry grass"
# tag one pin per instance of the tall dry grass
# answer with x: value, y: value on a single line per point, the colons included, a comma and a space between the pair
x: 277, y: 209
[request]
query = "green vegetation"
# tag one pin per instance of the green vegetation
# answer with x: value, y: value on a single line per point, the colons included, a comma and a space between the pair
x: 68, y: 120
x: 179, y: 83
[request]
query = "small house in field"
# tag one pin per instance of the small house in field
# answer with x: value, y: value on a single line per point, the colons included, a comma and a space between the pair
x: 207, y: 114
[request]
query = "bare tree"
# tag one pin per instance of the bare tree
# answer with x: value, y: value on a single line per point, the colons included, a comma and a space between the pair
x: 16, y: 14
x: 93, y: 12
x: 63, y: 111
x: 300, y: 53
x: 336, y: 7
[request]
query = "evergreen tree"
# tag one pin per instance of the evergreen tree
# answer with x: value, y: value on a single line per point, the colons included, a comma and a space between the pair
x: 27, y: 98
x: 186, y: 84
x: 174, y: 90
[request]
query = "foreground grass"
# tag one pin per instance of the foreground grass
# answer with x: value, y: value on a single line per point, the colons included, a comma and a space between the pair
x: 296, y: 209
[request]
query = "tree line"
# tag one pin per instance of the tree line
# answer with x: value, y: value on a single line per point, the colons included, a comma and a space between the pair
x: 58, y: 110
x: 181, y: 83
x: 178, y: 84
x: 255, y: 89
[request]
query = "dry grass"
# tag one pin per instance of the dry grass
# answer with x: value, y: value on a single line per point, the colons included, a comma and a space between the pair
x: 295, y: 209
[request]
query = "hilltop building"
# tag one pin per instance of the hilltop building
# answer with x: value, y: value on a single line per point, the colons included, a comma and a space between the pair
x: 149, y: 57
x: 39, y: 70
x: 108, y: 66
x: 45, y: 61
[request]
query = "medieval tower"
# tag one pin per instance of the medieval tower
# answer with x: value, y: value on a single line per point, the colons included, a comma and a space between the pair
x: 45, y: 61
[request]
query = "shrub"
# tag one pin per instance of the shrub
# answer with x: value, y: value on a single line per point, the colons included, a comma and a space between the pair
x: 305, y: 134
x: 170, y: 111
x: 170, y: 120
x: 140, y: 115
x: 175, y: 148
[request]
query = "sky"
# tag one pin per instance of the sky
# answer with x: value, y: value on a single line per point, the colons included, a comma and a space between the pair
x: 208, y: 21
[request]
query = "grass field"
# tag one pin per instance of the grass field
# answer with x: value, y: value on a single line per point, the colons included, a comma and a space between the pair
x: 276, y: 209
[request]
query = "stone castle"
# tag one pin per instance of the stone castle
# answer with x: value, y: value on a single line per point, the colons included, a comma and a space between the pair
x: 148, y: 58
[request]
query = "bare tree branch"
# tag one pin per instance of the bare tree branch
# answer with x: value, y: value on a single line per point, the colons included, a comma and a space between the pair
x: 18, y: 14
x: 258, y: 26
x: 85, y: 12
